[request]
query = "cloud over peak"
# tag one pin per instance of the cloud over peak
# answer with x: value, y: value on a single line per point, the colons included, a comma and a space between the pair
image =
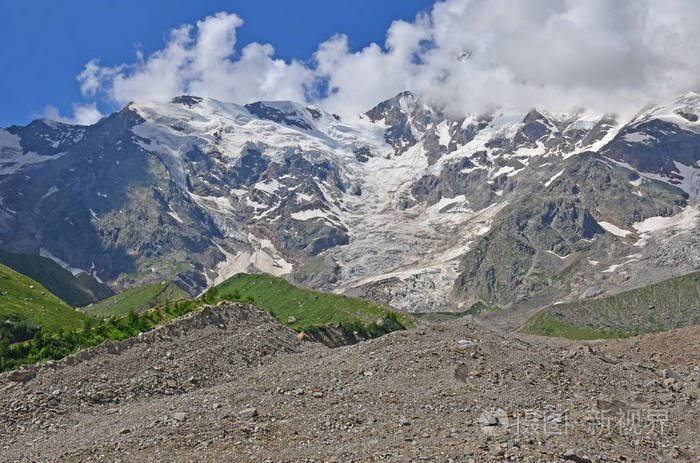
x: 86, y: 114
x: 200, y: 60
x: 465, y: 55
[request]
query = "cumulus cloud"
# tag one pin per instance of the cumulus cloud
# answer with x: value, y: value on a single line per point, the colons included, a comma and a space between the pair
x: 357, y: 81
x: 86, y: 114
x: 201, y: 60
x: 557, y: 54
x: 464, y: 55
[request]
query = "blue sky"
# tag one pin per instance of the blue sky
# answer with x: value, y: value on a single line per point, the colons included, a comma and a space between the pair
x: 47, y: 43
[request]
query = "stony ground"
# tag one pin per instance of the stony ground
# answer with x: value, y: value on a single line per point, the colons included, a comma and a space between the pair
x: 230, y: 384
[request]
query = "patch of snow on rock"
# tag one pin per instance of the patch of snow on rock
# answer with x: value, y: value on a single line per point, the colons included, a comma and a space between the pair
x: 74, y: 270
x: 688, y: 219
x: 269, y: 187
x: 51, y: 191
x: 614, y: 229
x: 309, y: 214
x: 554, y: 177
x: 638, y: 137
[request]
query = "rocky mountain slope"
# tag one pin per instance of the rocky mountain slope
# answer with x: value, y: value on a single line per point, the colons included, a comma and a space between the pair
x: 670, y: 304
x: 228, y: 383
x: 404, y: 204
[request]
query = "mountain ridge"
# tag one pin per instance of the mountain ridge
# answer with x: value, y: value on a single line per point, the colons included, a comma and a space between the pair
x: 390, y: 206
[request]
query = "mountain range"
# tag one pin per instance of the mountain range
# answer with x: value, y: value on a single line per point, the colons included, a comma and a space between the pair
x: 405, y: 204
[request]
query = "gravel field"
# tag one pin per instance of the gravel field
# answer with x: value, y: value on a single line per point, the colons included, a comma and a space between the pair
x: 228, y: 383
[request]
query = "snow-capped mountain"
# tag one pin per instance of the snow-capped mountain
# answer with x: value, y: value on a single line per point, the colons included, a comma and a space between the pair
x: 404, y: 204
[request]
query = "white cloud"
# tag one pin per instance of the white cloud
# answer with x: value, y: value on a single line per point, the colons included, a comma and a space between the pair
x: 93, y: 75
x: 555, y: 54
x: 360, y: 80
x: 201, y: 60
x: 466, y: 55
x: 86, y: 114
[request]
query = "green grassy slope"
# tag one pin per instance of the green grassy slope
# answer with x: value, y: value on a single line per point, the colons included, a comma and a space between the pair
x: 137, y: 299
x: 670, y: 304
x: 23, y: 300
x: 74, y: 290
x: 310, y: 308
x: 477, y: 309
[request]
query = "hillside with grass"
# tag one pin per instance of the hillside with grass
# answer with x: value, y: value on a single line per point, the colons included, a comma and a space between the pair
x: 670, y: 304
x: 303, y: 309
x: 476, y: 309
x: 26, y: 307
x: 75, y: 290
x: 137, y: 299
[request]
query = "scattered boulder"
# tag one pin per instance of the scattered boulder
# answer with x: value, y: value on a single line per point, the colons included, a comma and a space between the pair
x: 21, y: 376
x: 572, y: 456
x: 668, y: 374
x: 493, y: 417
x: 462, y: 346
x: 487, y: 419
x: 248, y: 413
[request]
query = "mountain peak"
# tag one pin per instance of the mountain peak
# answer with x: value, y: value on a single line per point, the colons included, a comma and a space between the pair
x: 283, y: 112
x: 401, y: 102
x: 187, y: 100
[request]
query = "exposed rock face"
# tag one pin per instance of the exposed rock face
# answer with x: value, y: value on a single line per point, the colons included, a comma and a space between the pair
x: 405, y: 118
x: 547, y: 233
x: 506, y: 207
